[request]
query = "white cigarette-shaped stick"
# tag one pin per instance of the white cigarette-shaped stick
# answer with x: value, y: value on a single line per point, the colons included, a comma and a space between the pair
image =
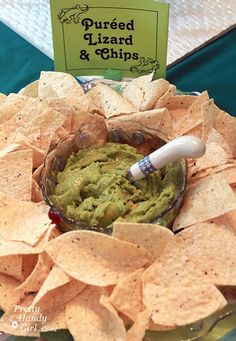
x: 181, y: 147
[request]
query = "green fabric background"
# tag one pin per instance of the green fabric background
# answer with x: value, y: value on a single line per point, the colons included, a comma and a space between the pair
x: 212, y: 68
x: 20, y: 62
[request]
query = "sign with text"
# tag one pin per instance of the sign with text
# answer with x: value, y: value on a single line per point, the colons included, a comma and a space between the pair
x: 126, y: 35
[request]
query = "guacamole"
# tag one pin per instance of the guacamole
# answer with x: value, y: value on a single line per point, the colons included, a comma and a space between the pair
x: 93, y: 187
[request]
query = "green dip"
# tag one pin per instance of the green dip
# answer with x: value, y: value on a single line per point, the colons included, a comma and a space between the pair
x: 93, y: 187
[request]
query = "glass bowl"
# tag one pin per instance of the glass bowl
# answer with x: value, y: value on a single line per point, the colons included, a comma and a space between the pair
x: 59, y: 153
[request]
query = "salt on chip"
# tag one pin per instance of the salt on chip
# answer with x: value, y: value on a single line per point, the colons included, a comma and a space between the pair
x: 95, y: 258
x: 206, y: 199
x: 176, y: 292
x: 21, y: 220
x: 182, y: 102
x: 8, y: 295
x: 156, y: 122
x: 163, y: 100
x: 193, y: 115
x: 58, y: 288
x: 16, y: 174
x: 152, y: 237
x: 202, y: 244
x: 109, y: 102
x: 58, y: 85
x: 98, y: 322
x: 11, y: 105
x: 126, y: 297
x: 143, y: 93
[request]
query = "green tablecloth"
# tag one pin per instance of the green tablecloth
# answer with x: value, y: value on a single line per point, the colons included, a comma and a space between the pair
x: 212, y: 68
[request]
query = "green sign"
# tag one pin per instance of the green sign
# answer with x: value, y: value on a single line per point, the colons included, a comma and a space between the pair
x: 126, y: 35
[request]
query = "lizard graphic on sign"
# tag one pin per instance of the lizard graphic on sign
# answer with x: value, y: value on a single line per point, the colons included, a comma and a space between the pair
x: 72, y: 14
x: 145, y: 65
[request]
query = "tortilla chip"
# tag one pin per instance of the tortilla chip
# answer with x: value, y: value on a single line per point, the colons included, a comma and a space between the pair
x: 8, y: 295
x: 50, y: 234
x: 127, y: 295
x: 36, y: 193
x: 40, y: 272
x: 58, y: 288
x: 2, y: 97
x: 7, y: 150
x: 31, y: 90
x: 202, y: 244
x: 38, y: 153
x: 215, y: 136
x: 194, y: 176
x: 91, y: 124
x: 151, y: 237
x: 176, y: 292
x: 181, y: 102
x: 226, y: 126
x: 138, y: 329
x: 98, y: 323
x: 56, y: 319
x: 229, y: 219
x: 143, y: 93
x: 193, y: 115
x: 196, y: 131
x: 209, y: 113
x: 12, y: 248
x: 156, y: 122
x: 17, y: 181
x: 58, y: 85
x: 95, y: 258
x: 109, y: 102
x: 29, y: 263
x: 214, y: 156
x: 28, y: 225
x: 12, y: 266
x: 11, y: 105
x: 206, y: 199
x: 163, y: 100
x: 229, y: 175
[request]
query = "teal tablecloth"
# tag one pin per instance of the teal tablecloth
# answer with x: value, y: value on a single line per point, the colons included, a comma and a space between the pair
x: 212, y: 68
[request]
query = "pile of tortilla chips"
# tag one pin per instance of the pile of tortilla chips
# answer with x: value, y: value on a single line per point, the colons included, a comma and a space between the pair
x: 144, y: 277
